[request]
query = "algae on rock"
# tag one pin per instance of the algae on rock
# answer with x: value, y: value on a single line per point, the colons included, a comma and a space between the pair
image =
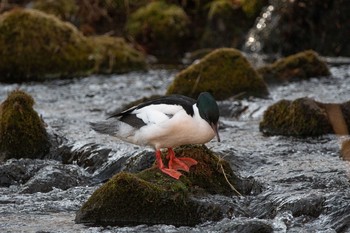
x: 301, y: 117
x: 115, y: 55
x: 161, y: 28
x: 224, y: 72
x: 152, y: 197
x: 22, y: 132
x: 37, y: 46
x: 303, y: 65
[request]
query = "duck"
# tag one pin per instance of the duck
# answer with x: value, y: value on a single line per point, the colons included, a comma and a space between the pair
x: 165, y: 123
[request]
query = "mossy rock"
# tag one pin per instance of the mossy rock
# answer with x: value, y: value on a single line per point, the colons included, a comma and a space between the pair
x: 151, y: 197
x: 301, y: 117
x: 115, y: 55
x: 224, y: 72
x: 300, y: 66
x: 36, y: 45
x: 63, y: 9
x: 22, y: 132
x: 161, y: 28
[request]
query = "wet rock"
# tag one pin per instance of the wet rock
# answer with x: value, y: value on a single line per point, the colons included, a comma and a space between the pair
x: 224, y: 72
x: 55, y: 176
x: 300, y: 66
x: 22, y: 132
x: 301, y: 117
x: 15, y: 172
x: 89, y: 156
x: 140, y: 162
x: 161, y: 28
x: 151, y: 197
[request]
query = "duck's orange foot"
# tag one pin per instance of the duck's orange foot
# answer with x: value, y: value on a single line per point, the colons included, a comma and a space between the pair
x: 180, y: 163
x: 171, y: 172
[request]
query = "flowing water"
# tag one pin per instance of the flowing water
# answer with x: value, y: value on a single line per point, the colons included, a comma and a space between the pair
x: 304, y: 182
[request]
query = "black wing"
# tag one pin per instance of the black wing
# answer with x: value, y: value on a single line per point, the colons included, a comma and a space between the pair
x: 131, y: 119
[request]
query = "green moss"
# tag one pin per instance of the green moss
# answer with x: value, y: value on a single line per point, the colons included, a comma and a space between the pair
x: 161, y: 28
x: 207, y: 174
x: 299, y: 66
x: 36, y: 45
x: 301, y: 117
x: 63, y: 9
x: 224, y: 72
x: 152, y: 197
x: 114, y: 55
x: 22, y: 132
x: 127, y: 199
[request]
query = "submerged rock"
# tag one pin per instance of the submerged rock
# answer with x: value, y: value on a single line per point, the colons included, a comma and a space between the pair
x: 300, y: 66
x: 22, y: 132
x: 301, y: 117
x: 36, y: 175
x: 161, y: 28
x: 224, y: 72
x: 16, y: 172
x: 151, y: 197
x: 55, y: 176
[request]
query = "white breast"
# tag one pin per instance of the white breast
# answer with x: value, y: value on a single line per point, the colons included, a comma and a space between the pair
x: 162, y: 131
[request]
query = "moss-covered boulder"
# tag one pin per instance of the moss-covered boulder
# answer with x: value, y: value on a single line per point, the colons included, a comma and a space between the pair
x: 224, y: 72
x: 151, y: 197
x: 115, y: 55
x: 301, y: 117
x: 300, y: 66
x: 22, y: 132
x: 161, y: 28
x: 36, y: 45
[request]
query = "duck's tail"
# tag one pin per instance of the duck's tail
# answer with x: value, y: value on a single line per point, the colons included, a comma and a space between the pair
x: 113, y: 128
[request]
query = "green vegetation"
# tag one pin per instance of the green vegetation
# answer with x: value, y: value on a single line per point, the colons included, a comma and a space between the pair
x: 22, y: 132
x: 37, y: 46
x: 114, y: 55
x: 151, y: 197
x: 161, y: 28
x: 303, y: 65
x: 301, y: 117
x: 224, y: 72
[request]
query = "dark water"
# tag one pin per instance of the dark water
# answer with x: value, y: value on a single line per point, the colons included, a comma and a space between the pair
x: 305, y: 183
